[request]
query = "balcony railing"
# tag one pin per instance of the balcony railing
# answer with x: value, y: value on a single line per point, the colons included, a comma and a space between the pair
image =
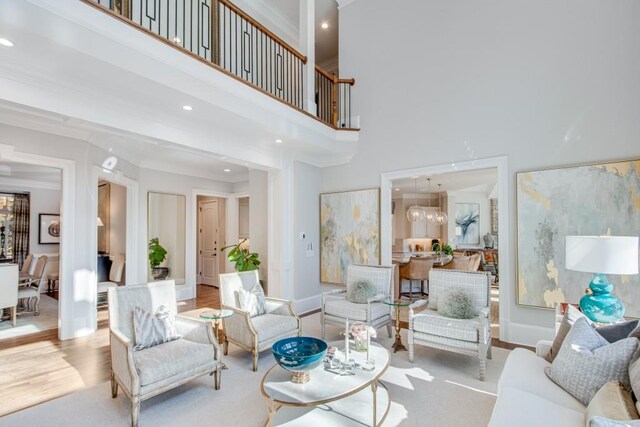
x: 333, y: 97
x: 229, y: 39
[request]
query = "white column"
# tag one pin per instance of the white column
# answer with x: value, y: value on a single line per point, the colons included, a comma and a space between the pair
x: 307, y: 45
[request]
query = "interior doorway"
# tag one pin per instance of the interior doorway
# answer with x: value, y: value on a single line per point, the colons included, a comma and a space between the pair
x: 211, y: 238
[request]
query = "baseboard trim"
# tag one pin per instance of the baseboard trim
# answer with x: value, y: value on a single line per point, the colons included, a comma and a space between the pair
x: 529, y: 335
x: 306, y: 306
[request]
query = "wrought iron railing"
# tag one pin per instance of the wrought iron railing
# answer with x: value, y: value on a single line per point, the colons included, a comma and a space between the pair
x: 227, y: 37
x: 333, y: 98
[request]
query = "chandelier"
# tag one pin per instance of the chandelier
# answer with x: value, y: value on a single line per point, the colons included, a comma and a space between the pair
x: 415, y: 213
x: 441, y: 217
x: 429, y: 214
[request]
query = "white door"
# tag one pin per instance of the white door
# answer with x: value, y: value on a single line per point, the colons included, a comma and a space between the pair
x: 208, y: 237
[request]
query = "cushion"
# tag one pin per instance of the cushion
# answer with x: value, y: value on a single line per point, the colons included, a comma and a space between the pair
x: 360, y: 291
x: 456, y: 304
x: 607, y: 422
x: 525, y: 370
x: 179, y: 357
x: 634, y: 375
x: 586, y: 361
x: 475, y: 284
x: 252, y: 301
x: 519, y: 408
x: 269, y: 326
x: 612, y: 401
x: 352, y: 311
x: 153, y: 329
x: 570, y: 316
x: 617, y: 331
x: 434, y: 323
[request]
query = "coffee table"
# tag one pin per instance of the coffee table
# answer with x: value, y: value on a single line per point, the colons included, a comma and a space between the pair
x: 328, y: 398
x: 397, y: 345
x: 216, y: 315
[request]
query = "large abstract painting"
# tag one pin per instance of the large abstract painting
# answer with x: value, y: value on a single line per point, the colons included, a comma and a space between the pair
x: 600, y: 199
x: 468, y: 220
x: 349, y: 232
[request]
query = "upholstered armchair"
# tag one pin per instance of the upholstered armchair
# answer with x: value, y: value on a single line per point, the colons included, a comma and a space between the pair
x: 145, y: 373
x: 9, y: 289
x: 259, y: 332
x: 336, y: 308
x: 466, y: 336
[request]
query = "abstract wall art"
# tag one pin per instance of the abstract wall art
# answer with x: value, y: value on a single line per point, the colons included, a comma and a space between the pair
x: 468, y: 221
x: 349, y: 232
x: 599, y: 199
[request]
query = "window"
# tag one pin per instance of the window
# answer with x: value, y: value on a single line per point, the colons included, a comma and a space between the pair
x: 6, y: 227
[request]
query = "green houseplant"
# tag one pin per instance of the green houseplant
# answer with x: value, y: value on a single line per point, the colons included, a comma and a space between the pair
x: 442, y: 248
x: 243, y: 259
x: 157, y: 255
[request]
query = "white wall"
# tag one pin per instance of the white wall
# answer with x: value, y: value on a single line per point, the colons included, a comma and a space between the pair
x: 42, y: 201
x: 117, y: 220
x: 306, y: 218
x: 258, y: 219
x: 545, y: 83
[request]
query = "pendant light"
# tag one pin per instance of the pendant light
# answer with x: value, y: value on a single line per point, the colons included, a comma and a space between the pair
x: 415, y: 213
x: 430, y: 215
x: 441, y: 217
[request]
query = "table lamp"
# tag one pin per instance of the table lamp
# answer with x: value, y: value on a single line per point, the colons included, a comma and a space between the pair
x: 602, y: 255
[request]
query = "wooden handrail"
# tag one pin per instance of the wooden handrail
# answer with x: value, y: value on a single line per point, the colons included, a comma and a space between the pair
x: 333, y: 78
x: 324, y: 73
x: 264, y: 29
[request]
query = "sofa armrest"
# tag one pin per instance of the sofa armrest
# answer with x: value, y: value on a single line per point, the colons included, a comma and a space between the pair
x: 543, y: 347
x: 122, y: 363
x: 199, y: 331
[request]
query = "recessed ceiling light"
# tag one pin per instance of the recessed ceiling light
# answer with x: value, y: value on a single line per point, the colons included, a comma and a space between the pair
x: 227, y: 170
x: 397, y: 189
x: 187, y: 107
x: 325, y: 25
x: 6, y: 42
x: 278, y: 141
x: 415, y: 177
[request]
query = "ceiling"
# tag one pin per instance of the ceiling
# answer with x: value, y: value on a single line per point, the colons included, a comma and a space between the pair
x: 12, y: 173
x: 483, y: 181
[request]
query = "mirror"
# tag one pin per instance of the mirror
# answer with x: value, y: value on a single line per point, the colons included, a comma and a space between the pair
x: 166, y: 237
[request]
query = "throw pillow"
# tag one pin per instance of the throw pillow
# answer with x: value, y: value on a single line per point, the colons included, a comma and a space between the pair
x: 153, y: 329
x: 253, y: 301
x: 586, y: 362
x: 634, y: 375
x: 570, y: 316
x: 618, y: 331
x: 456, y: 304
x: 360, y: 291
x: 612, y: 401
x: 607, y: 422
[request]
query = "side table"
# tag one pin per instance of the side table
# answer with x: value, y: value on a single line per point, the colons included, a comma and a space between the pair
x: 216, y: 315
x: 397, y: 345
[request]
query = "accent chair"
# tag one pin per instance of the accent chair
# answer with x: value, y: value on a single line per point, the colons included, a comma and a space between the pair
x: 256, y: 333
x: 467, y: 336
x: 336, y: 308
x: 146, y: 373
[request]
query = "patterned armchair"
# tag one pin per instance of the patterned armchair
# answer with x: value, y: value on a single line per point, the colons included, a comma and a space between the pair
x: 336, y: 308
x: 143, y: 374
x: 259, y: 332
x: 466, y: 336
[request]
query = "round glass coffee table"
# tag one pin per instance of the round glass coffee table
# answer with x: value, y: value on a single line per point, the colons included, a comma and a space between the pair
x: 216, y: 315
x: 397, y: 303
x: 329, y: 399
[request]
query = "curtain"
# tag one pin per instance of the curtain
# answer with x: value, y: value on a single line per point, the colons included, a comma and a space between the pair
x: 21, y: 227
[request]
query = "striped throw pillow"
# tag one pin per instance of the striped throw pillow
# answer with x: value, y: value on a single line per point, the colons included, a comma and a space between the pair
x: 153, y: 329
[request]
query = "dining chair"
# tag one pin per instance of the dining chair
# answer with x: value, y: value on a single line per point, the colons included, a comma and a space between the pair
x: 26, y: 266
x: 416, y: 269
x: 9, y: 289
x: 31, y: 288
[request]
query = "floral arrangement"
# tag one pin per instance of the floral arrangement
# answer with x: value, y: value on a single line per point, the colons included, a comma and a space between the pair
x: 359, y: 331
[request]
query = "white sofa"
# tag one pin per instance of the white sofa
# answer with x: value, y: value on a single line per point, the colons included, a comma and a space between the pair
x: 528, y: 398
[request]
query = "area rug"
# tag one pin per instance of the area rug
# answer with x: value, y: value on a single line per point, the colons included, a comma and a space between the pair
x: 27, y: 323
x: 439, y: 389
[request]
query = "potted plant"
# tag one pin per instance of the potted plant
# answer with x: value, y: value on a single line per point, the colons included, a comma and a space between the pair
x: 157, y: 255
x: 442, y: 248
x: 243, y: 259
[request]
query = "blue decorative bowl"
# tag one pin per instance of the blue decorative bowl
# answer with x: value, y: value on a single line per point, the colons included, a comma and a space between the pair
x: 299, y: 354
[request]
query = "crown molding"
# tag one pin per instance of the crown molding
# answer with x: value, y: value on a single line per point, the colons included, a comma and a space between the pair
x: 13, y: 183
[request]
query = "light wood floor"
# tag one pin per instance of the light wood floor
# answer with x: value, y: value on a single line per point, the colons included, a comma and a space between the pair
x: 39, y: 367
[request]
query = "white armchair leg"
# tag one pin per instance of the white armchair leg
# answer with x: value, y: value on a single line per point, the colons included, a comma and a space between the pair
x: 483, y: 367
x: 323, y: 327
x: 37, y: 312
x: 114, y: 386
x: 135, y: 411
x: 255, y: 360
x: 217, y: 376
x: 410, y: 339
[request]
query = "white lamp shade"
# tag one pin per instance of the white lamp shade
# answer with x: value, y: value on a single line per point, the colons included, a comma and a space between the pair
x: 602, y: 254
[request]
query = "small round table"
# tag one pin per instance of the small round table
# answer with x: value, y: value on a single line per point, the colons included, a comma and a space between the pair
x: 397, y: 345
x: 216, y: 315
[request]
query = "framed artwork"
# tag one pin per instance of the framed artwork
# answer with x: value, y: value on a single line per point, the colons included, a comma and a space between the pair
x: 349, y: 232
x: 468, y: 222
x: 598, y: 199
x: 48, y: 229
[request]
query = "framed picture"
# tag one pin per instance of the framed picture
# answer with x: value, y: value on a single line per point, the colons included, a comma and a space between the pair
x: 349, y: 232
x: 468, y: 223
x: 597, y: 199
x: 48, y: 229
